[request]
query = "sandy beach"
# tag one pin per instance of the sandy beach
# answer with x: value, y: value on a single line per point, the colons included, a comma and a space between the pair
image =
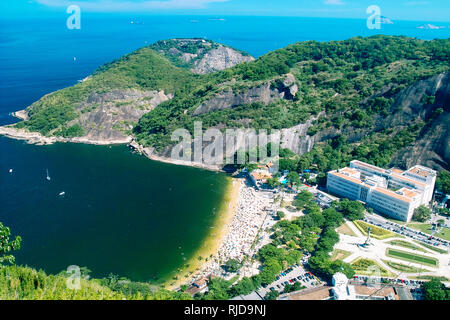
x: 242, y: 231
x: 215, y: 239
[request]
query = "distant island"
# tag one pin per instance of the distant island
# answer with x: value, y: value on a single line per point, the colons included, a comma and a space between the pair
x: 430, y: 27
x: 386, y: 20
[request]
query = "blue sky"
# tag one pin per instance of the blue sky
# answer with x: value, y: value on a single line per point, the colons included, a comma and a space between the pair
x: 422, y: 10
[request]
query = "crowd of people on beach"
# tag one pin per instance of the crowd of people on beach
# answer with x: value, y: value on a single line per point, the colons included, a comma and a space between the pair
x: 252, y: 213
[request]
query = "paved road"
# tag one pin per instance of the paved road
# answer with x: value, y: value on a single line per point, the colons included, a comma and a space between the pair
x: 392, y: 280
x: 408, y: 232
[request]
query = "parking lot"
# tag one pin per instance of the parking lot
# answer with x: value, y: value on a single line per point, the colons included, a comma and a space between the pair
x: 408, y: 232
x: 290, y: 276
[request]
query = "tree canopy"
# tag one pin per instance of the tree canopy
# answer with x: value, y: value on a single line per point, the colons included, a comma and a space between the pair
x: 7, y: 245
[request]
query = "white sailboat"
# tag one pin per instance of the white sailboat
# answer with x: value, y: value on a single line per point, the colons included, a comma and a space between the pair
x: 48, y: 177
x: 10, y: 170
x: 62, y: 193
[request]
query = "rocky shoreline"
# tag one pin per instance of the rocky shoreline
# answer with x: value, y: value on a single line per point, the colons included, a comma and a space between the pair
x: 150, y: 153
x: 39, y: 139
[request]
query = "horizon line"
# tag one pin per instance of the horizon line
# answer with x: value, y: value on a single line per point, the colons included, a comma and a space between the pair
x: 53, y: 13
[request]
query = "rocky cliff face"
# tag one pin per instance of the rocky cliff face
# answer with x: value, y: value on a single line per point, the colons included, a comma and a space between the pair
x: 109, y: 117
x: 431, y: 149
x: 296, y: 138
x: 219, y: 59
x: 265, y: 93
x: 433, y: 146
x: 201, y: 56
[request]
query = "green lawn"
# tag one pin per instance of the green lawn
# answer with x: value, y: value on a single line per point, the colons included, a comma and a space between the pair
x: 443, y: 279
x: 426, y: 228
x: 439, y: 250
x: 404, y: 268
x: 394, y: 253
x: 365, y: 266
x: 377, y: 233
x: 406, y: 244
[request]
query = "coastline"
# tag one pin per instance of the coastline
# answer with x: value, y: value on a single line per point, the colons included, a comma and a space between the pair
x: 149, y: 153
x: 212, y: 243
x: 39, y: 139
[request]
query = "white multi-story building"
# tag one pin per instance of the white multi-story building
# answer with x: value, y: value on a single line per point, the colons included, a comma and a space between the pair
x: 393, y: 192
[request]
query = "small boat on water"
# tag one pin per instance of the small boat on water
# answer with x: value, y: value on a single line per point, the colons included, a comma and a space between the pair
x: 48, y: 177
x: 10, y: 170
x: 62, y: 193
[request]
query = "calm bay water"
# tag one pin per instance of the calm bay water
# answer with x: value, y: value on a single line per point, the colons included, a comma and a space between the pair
x: 121, y: 212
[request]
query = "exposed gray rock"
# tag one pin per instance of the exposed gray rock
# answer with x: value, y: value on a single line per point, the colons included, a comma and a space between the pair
x: 219, y: 59
x: 186, y: 57
x: 201, y: 56
x: 431, y: 149
x: 433, y: 146
x: 296, y: 138
x: 110, y: 116
x: 265, y: 93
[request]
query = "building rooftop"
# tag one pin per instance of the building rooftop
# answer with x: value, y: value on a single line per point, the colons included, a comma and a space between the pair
x: 368, y: 291
x: 408, y: 192
x: 348, y: 177
x: 258, y: 175
x: 393, y: 194
x: 317, y: 293
x: 349, y: 171
x: 422, y: 171
x: 253, y: 296
x: 368, y: 166
x: 402, y: 177
x: 201, y: 282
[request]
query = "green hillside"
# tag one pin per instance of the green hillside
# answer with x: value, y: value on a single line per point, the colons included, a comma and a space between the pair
x: 350, y: 87
x: 143, y: 69
x: 333, y: 77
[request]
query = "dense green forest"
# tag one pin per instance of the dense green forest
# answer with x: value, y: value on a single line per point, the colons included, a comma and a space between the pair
x: 143, y: 69
x: 333, y: 77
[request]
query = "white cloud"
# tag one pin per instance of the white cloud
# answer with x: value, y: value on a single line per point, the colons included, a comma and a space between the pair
x: 334, y: 2
x: 114, y: 5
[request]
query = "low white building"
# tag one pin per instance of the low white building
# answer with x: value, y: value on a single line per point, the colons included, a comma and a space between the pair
x: 393, y: 192
x: 341, y: 289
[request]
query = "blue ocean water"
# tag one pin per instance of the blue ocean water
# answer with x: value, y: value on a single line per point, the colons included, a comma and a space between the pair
x: 37, y: 55
x: 116, y: 200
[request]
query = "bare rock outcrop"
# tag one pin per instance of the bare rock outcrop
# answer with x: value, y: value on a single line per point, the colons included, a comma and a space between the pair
x: 432, y: 148
x: 111, y: 116
x: 219, y: 59
x: 199, y: 55
x: 265, y: 93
